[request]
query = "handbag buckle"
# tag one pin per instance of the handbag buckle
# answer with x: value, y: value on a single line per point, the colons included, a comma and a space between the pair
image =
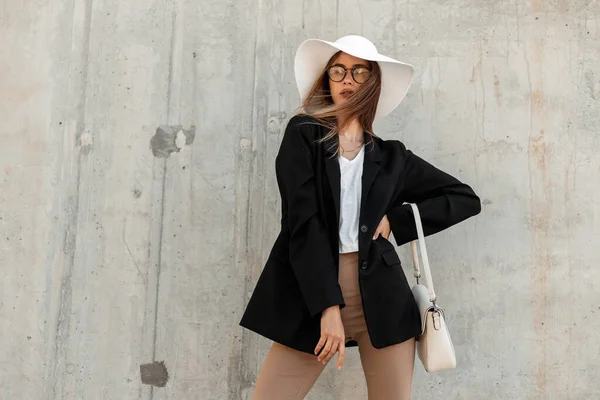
x: 436, y: 317
x: 436, y: 312
x: 417, y: 276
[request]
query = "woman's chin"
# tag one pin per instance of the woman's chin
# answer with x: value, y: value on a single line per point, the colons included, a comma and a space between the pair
x: 339, y: 101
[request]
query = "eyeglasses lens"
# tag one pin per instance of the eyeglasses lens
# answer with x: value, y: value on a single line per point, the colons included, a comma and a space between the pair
x: 337, y: 74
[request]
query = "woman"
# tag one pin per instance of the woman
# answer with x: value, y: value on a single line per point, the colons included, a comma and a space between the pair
x: 332, y: 279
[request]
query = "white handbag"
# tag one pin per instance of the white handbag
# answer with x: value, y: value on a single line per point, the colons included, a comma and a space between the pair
x: 434, y: 346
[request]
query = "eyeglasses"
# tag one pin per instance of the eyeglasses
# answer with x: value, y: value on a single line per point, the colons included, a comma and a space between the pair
x: 337, y: 73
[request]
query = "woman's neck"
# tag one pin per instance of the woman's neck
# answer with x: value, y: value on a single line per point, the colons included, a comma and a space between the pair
x: 353, y: 132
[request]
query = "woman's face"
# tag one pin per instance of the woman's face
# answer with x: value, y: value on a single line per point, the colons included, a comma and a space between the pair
x: 357, y: 72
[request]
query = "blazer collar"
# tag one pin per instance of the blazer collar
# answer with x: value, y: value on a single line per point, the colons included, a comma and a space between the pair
x: 332, y: 166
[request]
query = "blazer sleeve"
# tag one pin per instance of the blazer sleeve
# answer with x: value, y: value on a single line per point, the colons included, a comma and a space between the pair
x: 310, y: 252
x: 442, y: 199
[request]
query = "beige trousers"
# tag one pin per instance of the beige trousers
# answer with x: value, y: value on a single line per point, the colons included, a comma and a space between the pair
x: 289, y: 374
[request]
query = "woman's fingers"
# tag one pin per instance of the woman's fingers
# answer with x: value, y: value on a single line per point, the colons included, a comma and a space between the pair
x: 332, y: 346
x: 341, y: 355
x: 383, y: 229
x: 326, y: 349
x: 320, y: 345
x: 385, y: 233
x: 332, y: 349
x: 377, y: 232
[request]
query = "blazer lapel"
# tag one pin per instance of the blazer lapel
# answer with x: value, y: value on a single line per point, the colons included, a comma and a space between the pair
x: 332, y: 167
x: 371, y: 165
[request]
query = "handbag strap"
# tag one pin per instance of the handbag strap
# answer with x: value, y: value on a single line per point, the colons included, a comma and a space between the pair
x: 415, y: 255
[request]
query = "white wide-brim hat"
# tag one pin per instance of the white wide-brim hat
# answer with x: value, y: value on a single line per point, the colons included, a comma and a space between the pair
x: 313, y: 54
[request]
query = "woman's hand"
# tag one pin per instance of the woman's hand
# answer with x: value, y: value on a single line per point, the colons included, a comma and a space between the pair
x: 383, y: 228
x: 332, y: 337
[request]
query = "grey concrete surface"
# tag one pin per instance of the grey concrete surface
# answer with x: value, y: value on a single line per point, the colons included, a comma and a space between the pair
x: 138, y: 200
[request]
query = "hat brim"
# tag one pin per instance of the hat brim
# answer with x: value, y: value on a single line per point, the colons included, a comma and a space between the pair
x: 312, y: 57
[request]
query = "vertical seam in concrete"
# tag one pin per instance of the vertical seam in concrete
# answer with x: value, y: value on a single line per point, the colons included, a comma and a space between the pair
x: 163, y: 183
x: 164, y: 178
x: 254, y: 95
x: 246, y: 175
x: 57, y: 368
x: 161, y: 215
x: 159, y: 257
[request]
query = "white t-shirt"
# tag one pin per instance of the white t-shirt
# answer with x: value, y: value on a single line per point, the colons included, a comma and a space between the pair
x: 350, y: 191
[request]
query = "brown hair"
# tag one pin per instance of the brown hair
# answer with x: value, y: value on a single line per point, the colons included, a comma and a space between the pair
x: 361, y: 106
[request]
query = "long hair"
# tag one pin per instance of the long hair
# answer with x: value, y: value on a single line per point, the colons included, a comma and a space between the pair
x: 361, y: 106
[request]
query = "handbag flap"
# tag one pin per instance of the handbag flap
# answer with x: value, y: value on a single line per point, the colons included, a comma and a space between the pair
x: 421, y: 295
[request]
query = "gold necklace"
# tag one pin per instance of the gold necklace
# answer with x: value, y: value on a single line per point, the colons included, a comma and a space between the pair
x: 344, y: 150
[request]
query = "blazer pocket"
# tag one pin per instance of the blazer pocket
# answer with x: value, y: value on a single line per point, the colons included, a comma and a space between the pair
x: 390, y: 257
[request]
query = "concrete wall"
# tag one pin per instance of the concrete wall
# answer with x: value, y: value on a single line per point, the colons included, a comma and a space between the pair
x: 138, y: 199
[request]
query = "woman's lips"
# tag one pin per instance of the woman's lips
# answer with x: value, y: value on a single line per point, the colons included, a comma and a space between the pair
x: 346, y: 93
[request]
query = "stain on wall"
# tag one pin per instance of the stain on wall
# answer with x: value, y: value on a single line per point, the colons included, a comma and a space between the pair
x: 154, y: 374
x: 171, y: 138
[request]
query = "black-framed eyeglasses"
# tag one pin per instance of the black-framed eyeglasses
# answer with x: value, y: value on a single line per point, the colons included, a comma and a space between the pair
x: 360, y: 74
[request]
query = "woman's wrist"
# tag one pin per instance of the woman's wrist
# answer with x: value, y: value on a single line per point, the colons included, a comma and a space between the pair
x: 335, y: 308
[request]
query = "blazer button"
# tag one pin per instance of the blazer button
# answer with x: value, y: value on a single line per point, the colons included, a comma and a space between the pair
x: 364, y: 229
x: 363, y: 265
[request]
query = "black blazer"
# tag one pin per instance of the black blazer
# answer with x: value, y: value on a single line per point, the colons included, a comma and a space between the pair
x: 300, y: 277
